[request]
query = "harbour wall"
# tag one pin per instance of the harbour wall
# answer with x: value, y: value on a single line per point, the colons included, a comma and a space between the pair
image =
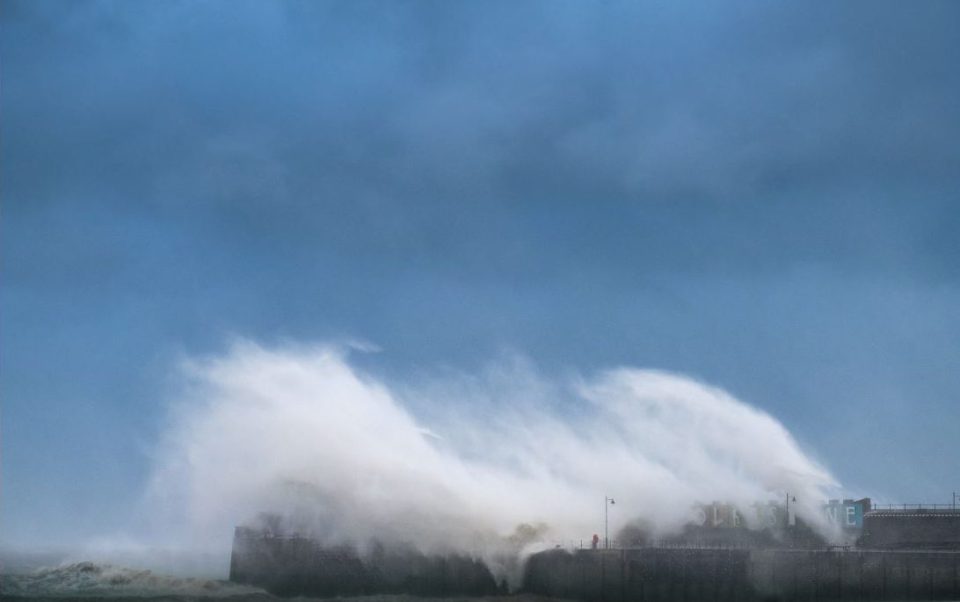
x: 727, y: 575
x: 299, y: 566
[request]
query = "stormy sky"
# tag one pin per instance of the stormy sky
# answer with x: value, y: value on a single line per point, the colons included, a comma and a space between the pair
x: 761, y: 195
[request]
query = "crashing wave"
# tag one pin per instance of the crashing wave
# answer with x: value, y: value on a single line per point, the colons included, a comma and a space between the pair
x: 92, y: 579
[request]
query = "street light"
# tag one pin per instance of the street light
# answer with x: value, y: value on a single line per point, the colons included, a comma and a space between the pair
x: 607, y: 502
x: 788, y: 508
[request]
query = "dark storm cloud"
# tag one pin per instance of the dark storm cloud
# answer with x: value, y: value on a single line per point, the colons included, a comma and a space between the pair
x: 764, y: 135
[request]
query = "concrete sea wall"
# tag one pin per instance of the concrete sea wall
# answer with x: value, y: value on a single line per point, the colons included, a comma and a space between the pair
x: 298, y: 566
x: 688, y: 574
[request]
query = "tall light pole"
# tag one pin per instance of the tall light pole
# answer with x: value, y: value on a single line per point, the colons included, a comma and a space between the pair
x: 607, y: 502
x: 788, y: 508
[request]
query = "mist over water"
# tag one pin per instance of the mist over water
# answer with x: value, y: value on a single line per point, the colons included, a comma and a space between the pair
x: 458, y: 462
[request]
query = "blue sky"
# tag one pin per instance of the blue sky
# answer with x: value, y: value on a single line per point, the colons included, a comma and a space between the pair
x: 762, y: 195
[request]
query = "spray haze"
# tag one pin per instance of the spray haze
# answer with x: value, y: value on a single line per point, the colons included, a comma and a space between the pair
x: 508, y: 459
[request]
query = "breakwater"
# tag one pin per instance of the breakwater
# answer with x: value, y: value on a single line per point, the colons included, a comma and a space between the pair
x: 727, y: 575
x: 299, y: 566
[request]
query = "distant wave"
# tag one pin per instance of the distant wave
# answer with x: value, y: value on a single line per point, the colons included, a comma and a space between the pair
x: 88, y: 579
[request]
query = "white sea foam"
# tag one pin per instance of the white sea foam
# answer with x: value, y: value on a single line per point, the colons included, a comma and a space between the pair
x: 459, y: 461
x: 89, y: 579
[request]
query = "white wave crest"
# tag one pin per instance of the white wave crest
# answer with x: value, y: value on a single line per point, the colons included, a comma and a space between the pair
x: 459, y: 461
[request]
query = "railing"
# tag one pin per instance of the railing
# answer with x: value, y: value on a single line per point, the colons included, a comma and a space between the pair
x: 915, y: 507
x: 667, y: 544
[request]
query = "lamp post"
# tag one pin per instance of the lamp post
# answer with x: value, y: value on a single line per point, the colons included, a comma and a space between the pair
x: 607, y: 502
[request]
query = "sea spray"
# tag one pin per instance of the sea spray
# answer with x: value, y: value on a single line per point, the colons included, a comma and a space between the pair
x: 456, y: 464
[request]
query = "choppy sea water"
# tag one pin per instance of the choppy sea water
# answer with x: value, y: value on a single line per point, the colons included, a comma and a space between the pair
x: 89, y: 581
